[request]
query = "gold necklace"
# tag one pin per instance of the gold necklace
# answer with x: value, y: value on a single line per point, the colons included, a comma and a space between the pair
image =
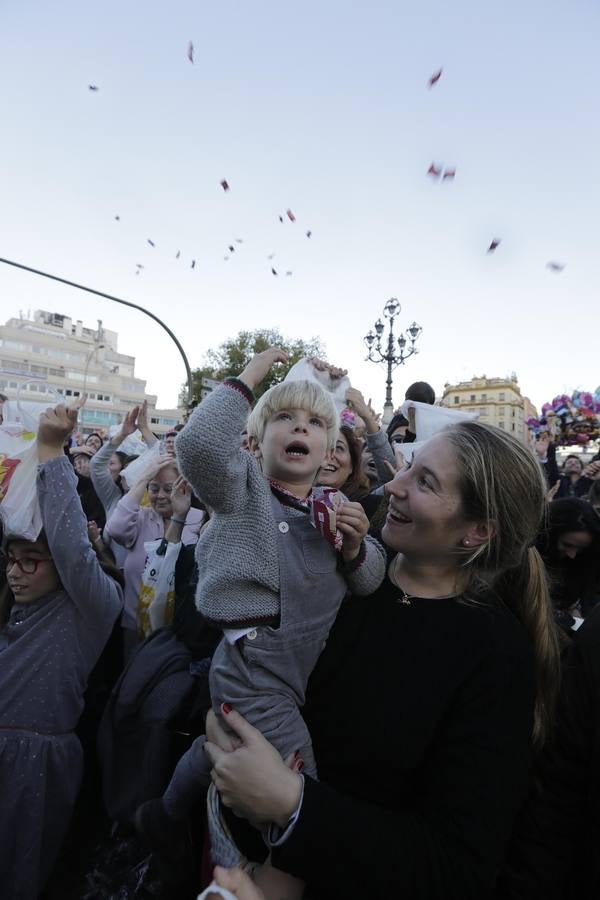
x: 405, y: 598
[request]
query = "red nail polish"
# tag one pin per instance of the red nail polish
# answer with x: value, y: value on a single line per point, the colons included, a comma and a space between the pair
x: 226, y: 708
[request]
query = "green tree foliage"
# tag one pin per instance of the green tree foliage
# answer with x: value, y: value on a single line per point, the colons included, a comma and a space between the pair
x: 233, y: 355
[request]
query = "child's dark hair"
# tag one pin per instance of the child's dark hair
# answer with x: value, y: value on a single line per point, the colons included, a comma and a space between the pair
x: 420, y: 392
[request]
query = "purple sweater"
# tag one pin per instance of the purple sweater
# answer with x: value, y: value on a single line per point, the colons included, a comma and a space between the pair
x: 131, y: 525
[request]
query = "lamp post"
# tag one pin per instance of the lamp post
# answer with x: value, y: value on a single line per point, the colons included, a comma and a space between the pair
x: 81, y: 287
x: 386, y: 352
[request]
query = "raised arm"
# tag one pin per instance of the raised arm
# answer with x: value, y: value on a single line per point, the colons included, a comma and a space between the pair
x: 103, y: 482
x: 123, y: 525
x: 96, y: 595
x: 208, y: 448
x: 377, y: 440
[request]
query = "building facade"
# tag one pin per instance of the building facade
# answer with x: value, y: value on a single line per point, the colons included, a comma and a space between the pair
x: 51, y: 356
x: 498, y: 401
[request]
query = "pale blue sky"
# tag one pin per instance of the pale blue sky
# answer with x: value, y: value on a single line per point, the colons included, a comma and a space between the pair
x: 321, y: 107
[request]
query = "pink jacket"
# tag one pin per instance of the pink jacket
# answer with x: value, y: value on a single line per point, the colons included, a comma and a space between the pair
x: 131, y: 525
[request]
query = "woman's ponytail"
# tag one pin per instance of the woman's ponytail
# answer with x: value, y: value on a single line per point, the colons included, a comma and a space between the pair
x: 524, y: 589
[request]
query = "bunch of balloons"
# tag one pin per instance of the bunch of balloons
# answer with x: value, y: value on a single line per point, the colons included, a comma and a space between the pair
x: 570, y: 420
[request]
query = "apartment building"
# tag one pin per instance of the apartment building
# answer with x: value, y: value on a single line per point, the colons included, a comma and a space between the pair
x: 498, y: 401
x: 51, y: 356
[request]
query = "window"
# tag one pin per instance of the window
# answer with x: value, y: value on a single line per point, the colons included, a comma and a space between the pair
x: 39, y: 370
x: 512, y: 426
x: 472, y: 398
x: 483, y: 410
x: 501, y: 424
x: 513, y: 415
x: 68, y: 392
x: 502, y: 410
x: 502, y: 396
x: 457, y: 399
x: 484, y: 397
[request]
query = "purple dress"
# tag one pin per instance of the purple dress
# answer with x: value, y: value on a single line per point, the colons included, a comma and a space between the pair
x: 47, y: 650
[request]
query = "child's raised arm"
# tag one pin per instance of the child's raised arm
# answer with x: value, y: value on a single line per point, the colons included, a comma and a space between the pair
x: 95, y: 594
x: 208, y: 448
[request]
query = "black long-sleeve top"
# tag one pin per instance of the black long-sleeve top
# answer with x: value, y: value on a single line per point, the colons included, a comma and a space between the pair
x: 421, y: 716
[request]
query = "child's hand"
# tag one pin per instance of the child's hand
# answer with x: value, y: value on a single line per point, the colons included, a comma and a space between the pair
x: 352, y: 521
x: 238, y: 883
x: 55, y: 427
x: 93, y: 532
x: 260, y: 365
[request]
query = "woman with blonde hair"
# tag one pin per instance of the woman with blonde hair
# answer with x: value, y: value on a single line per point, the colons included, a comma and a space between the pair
x: 430, y: 698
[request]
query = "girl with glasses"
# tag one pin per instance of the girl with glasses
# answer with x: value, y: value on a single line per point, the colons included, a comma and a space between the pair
x: 63, y: 612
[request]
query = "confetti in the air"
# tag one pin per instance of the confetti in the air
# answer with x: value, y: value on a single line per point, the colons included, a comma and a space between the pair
x: 434, y: 171
x: 288, y: 273
x: 290, y: 215
x: 225, y: 185
x: 151, y: 242
x: 117, y: 218
x: 193, y: 266
x: 178, y: 254
x: 555, y: 266
x: 309, y: 234
x: 494, y: 245
x: 435, y: 78
x: 274, y: 272
x: 190, y: 52
x: 93, y: 87
x: 449, y: 173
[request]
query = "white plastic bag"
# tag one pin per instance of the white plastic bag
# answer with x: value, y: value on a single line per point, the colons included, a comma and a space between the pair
x: 143, y: 465
x: 304, y: 370
x: 214, y: 890
x: 428, y: 421
x: 19, y: 459
x: 156, y: 603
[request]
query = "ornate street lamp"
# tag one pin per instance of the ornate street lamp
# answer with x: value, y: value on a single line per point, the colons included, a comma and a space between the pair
x: 386, y: 353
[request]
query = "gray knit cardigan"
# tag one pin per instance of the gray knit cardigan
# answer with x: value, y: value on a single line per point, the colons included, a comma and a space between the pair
x: 237, y: 556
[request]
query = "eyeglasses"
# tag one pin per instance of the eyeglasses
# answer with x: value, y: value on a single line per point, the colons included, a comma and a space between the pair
x: 154, y: 488
x: 26, y: 564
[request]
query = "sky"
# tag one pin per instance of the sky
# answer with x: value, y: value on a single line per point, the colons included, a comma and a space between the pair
x: 323, y: 108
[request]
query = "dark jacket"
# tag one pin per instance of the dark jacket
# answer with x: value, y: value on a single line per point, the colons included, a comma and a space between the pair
x: 555, y: 850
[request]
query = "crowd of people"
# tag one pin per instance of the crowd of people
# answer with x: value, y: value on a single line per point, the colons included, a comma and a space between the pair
x: 285, y: 653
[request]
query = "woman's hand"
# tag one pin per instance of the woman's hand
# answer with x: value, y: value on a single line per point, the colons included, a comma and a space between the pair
x: 356, y: 401
x: 142, y: 424
x: 352, y: 521
x: 260, y: 365
x: 253, y: 779
x: 181, y: 498
x: 55, y: 427
x: 552, y: 491
x: 237, y: 883
x: 592, y: 470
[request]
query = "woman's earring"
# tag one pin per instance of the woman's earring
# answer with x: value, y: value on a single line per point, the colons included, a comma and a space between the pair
x: 466, y: 542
